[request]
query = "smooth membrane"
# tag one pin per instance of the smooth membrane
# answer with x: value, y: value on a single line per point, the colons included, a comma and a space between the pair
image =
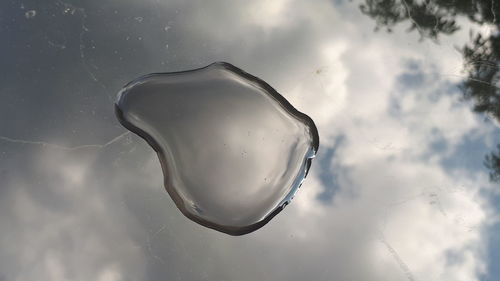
x: 233, y: 151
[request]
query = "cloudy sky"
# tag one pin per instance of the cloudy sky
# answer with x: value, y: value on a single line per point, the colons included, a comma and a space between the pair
x: 398, y: 190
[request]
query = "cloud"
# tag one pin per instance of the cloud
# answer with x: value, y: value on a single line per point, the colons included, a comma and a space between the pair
x: 398, y: 213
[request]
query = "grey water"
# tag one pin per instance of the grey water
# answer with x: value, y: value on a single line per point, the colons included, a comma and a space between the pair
x: 233, y: 151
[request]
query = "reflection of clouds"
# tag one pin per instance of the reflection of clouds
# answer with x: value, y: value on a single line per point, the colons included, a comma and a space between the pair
x: 268, y: 14
x: 88, y: 215
x: 59, y: 224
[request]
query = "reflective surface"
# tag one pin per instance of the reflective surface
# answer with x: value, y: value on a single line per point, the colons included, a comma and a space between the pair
x: 399, y: 189
x: 233, y: 151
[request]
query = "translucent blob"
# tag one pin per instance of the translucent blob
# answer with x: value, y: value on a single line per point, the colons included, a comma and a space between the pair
x: 30, y: 14
x: 233, y: 151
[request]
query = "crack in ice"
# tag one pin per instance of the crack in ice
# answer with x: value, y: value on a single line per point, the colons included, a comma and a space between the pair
x: 61, y: 147
x: 70, y: 8
x: 493, y: 12
x: 402, y: 265
x: 150, y: 249
x: 412, y: 19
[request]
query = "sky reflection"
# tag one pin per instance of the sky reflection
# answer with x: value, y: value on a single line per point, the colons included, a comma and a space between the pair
x: 401, y: 192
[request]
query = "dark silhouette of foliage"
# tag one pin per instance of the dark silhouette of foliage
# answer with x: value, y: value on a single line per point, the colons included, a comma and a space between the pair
x: 492, y: 161
x: 432, y: 18
x: 426, y: 17
x: 481, y: 60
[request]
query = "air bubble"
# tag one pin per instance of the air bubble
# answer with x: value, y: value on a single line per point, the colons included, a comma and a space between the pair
x: 30, y: 14
x: 218, y: 132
